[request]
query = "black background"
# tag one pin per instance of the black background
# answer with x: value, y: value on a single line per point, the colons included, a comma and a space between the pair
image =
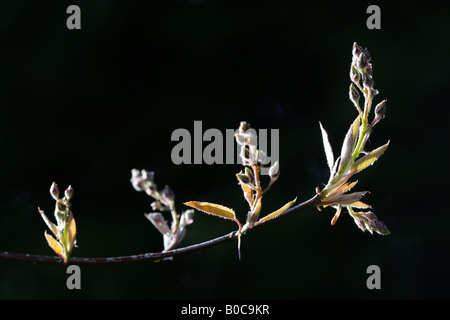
x: 84, y: 107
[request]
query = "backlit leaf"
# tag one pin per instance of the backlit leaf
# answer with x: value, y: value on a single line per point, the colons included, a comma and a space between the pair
x: 348, y: 144
x: 220, y: 211
x: 328, y: 150
x: 248, y: 193
x: 72, y: 230
x: 49, y: 224
x: 278, y: 212
x: 55, y: 245
x: 369, y: 158
x: 355, y: 130
x: 211, y: 208
x: 360, y: 205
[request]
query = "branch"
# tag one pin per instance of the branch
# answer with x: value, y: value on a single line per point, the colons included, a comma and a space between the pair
x: 146, y: 257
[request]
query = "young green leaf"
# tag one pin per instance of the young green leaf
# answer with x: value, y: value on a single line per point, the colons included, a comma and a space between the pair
x: 369, y: 158
x: 278, y: 212
x: 346, y: 150
x: 349, y: 144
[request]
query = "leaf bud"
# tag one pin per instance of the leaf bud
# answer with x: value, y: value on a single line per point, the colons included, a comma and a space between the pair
x: 243, y: 126
x: 356, y: 49
x: 367, y: 55
x: 249, y: 173
x: 380, y: 109
x: 362, y: 62
x: 54, y: 191
x: 274, y: 170
x: 354, y: 74
x: 68, y: 193
x: 368, y: 82
x: 354, y: 94
x: 243, y: 178
x: 60, y: 206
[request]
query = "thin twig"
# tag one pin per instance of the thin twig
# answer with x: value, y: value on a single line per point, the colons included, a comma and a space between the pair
x: 145, y: 257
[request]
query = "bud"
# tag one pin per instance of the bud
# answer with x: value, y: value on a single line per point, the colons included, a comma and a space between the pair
x: 168, y: 193
x: 369, y: 69
x: 168, y: 196
x: 368, y: 82
x: 156, y: 205
x: 249, y: 173
x: 188, y: 216
x: 245, y: 155
x: 274, y: 171
x: 356, y: 49
x: 261, y: 157
x: 54, y: 191
x: 367, y: 55
x: 354, y: 74
x: 147, y: 175
x: 354, y: 94
x: 362, y: 62
x: 380, y: 109
x: 60, y: 212
x: 60, y: 206
x: 243, y: 126
x: 243, y: 178
x: 142, y: 180
x: 68, y: 193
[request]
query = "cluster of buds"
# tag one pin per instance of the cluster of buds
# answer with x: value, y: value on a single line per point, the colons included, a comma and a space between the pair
x: 164, y: 201
x: 249, y: 179
x: 367, y: 220
x: 361, y: 74
x: 65, y: 228
x: 349, y: 162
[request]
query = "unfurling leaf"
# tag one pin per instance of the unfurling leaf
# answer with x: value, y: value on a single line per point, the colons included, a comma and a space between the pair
x: 278, y: 212
x: 369, y: 158
x: 49, y: 224
x: 55, y: 245
x: 248, y: 193
x: 349, y: 143
x: 159, y: 222
x: 327, y: 147
x: 369, y: 221
x: 355, y: 130
x: 254, y: 213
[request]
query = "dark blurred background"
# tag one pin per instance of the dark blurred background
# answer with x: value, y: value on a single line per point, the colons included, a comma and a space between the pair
x: 84, y: 107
